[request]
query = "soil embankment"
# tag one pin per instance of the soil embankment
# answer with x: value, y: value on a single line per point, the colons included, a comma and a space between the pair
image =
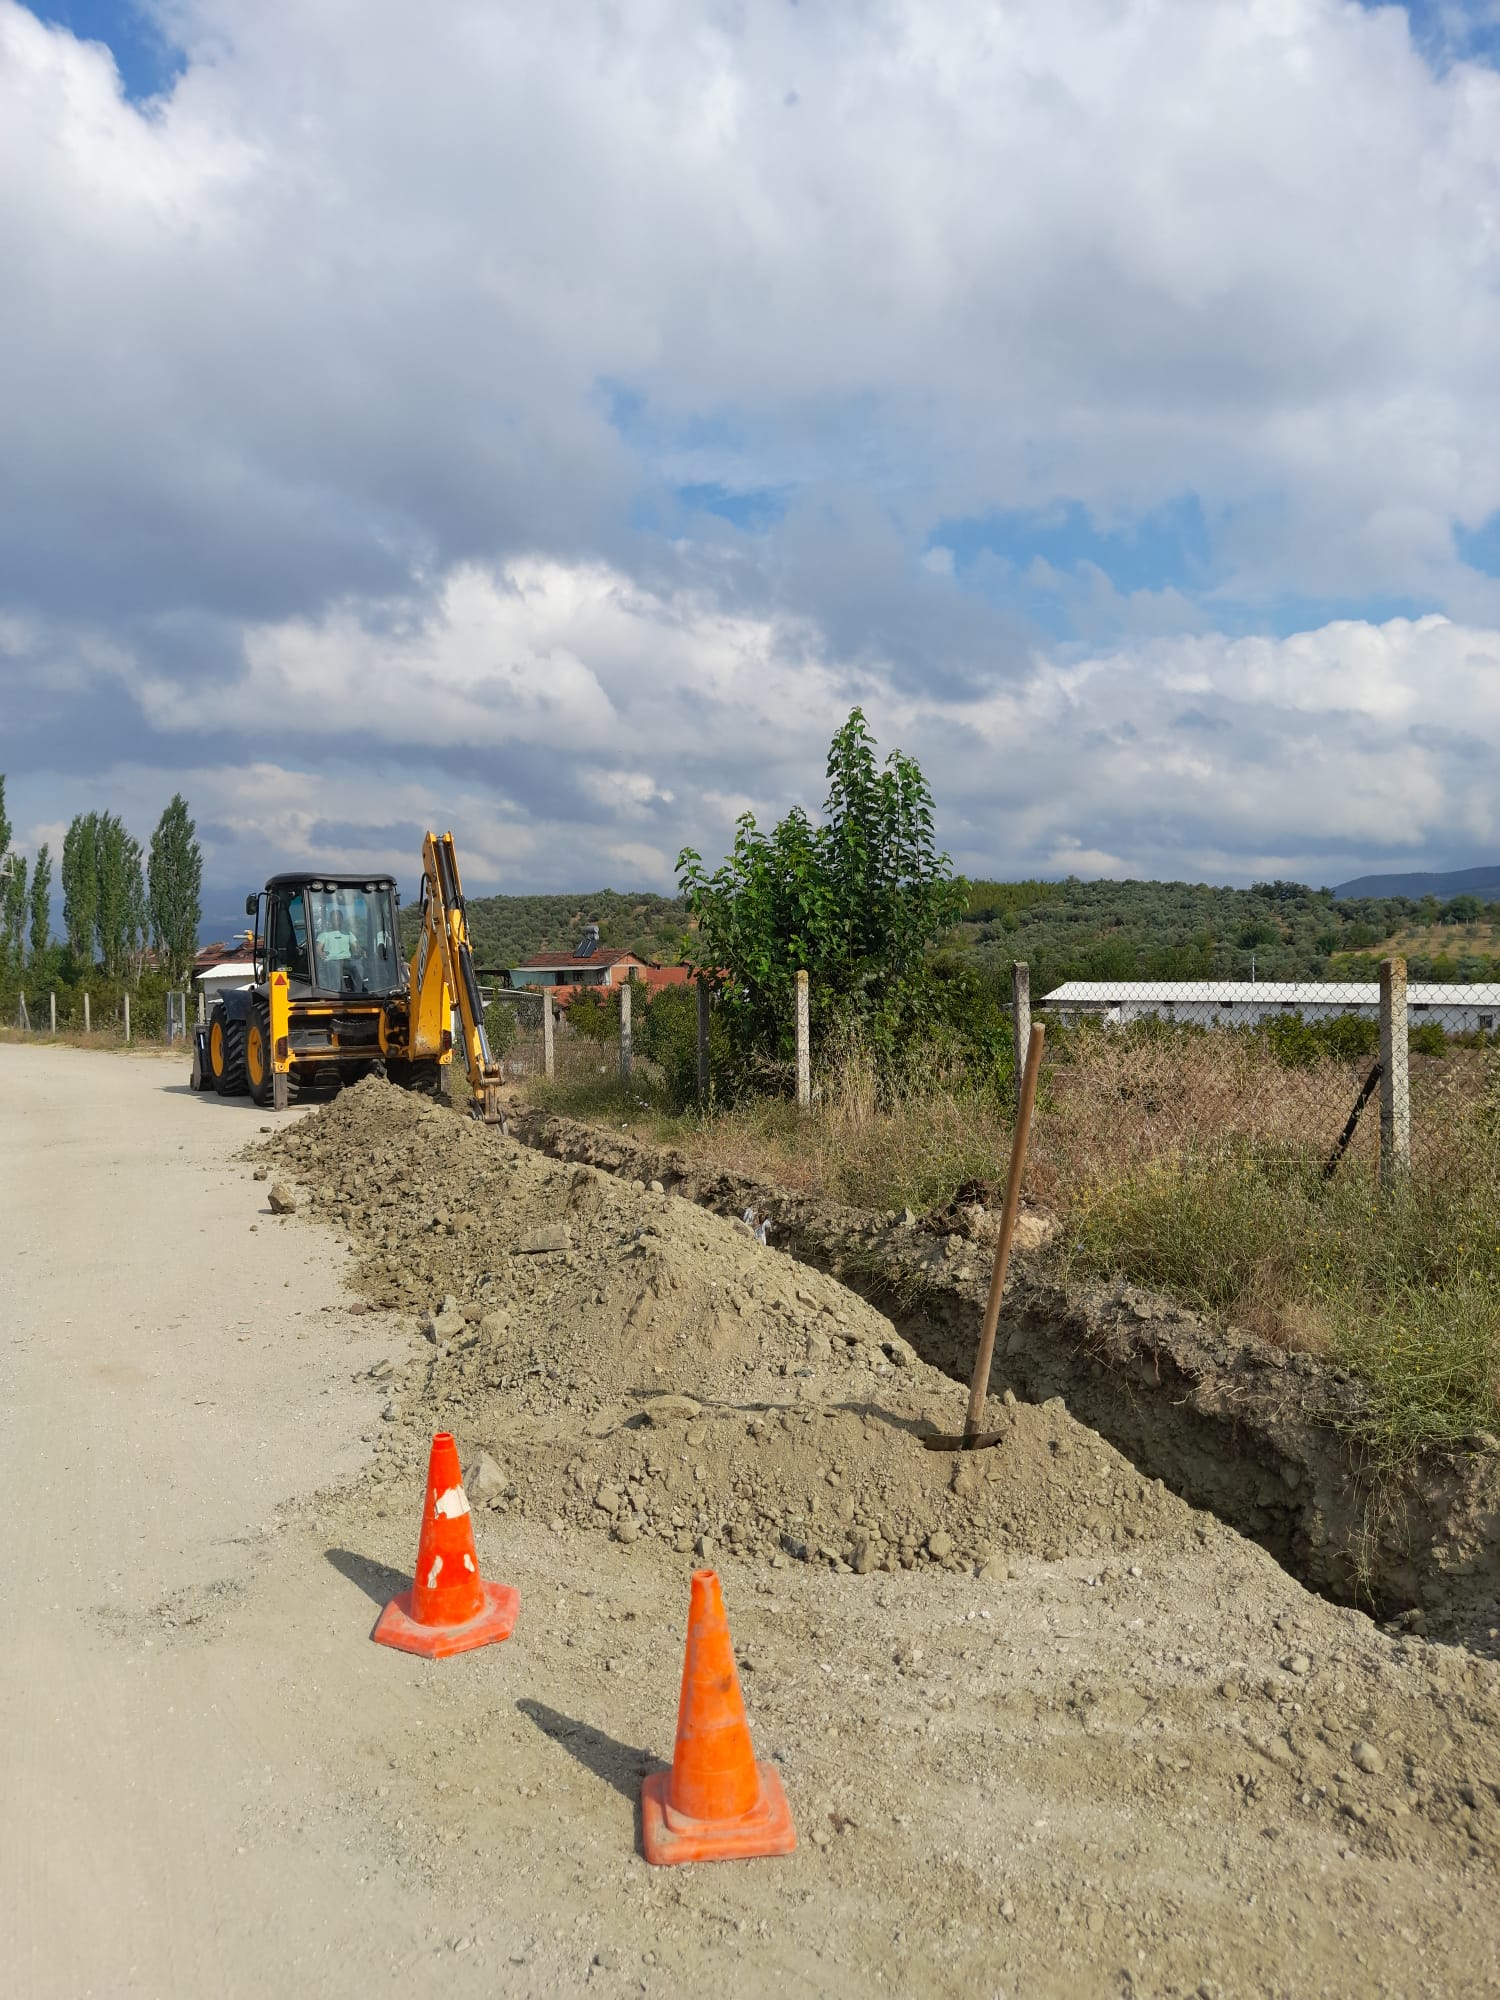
x: 1265, y: 1439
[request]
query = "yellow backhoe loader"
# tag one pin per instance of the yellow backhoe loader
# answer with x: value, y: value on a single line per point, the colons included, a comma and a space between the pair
x: 333, y: 999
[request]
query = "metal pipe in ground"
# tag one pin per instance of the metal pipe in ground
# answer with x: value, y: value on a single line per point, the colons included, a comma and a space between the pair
x: 979, y: 1386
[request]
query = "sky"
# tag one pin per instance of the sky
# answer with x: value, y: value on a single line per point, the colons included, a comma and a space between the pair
x: 549, y: 422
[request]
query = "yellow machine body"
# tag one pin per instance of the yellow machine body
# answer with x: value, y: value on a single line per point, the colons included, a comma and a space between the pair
x: 331, y: 998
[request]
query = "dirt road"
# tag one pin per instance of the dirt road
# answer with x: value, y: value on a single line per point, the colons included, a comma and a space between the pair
x: 1071, y: 1775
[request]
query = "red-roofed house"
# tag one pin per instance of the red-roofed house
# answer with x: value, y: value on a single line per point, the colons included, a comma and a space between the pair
x: 593, y: 964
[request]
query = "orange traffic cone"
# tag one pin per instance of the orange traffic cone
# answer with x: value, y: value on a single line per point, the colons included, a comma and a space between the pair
x: 716, y: 1803
x: 448, y: 1609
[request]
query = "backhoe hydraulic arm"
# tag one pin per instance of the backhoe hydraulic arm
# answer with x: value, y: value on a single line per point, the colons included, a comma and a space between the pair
x: 442, y: 976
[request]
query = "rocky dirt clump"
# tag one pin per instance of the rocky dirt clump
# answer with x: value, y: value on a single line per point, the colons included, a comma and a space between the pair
x: 637, y: 1366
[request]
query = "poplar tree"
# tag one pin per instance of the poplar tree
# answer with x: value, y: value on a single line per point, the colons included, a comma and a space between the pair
x: 41, y: 903
x: 175, y: 873
x: 13, y: 912
x: 120, y: 899
x: 80, y: 885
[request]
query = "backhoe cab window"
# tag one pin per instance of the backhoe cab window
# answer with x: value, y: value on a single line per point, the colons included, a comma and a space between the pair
x: 289, y: 936
x: 354, y: 940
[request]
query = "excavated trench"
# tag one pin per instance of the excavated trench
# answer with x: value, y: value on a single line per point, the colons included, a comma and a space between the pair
x: 1264, y: 1439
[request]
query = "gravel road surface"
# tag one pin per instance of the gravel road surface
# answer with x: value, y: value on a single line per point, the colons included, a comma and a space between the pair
x: 1123, y: 1754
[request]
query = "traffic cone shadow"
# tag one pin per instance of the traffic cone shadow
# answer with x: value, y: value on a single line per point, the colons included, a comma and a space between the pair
x: 449, y: 1608
x: 716, y: 1803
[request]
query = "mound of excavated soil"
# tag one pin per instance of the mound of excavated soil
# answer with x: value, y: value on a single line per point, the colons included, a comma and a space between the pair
x: 635, y: 1365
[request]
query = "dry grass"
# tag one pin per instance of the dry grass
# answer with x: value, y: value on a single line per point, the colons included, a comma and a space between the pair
x: 1235, y: 1217
x: 872, y: 1148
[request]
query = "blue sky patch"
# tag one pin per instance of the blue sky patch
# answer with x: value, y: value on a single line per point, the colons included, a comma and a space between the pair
x: 147, y: 61
x: 1167, y: 548
x: 1479, y: 547
x: 1448, y: 31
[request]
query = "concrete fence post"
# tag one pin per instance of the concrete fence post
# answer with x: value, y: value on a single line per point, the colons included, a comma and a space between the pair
x: 549, y: 1060
x: 88, y: 1026
x: 1395, y: 1088
x: 202, y: 1008
x: 625, y: 1034
x: 1020, y: 1007
x: 702, y: 1043
x: 127, y: 1020
x: 52, y: 1011
x: 804, y: 1055
x: 22, y: 1016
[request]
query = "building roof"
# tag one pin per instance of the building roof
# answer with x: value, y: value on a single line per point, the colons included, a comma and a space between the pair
x: 211, y: 955
x: 567, y: 961
x: 1265, y: 992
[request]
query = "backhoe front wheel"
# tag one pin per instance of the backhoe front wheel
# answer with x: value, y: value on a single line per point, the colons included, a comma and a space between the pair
x: 226, y: 1054
x: 258, y: 1068
x: 424, y: 1074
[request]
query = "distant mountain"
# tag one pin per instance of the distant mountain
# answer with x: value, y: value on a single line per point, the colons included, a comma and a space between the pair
x: 1483, y: 882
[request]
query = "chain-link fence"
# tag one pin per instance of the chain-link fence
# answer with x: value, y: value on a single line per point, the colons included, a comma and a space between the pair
x: 1380, y: 1075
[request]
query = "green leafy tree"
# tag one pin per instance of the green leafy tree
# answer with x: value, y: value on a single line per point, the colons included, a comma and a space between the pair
x: 41, y: 903
x: 80, y: 885
x: 120, y: 920
x: 12, y: 941
x: 137, y: 907
x: 175, y: 872
x: 13, y: 912
x: 858, y: 901
x: 594, y: 1013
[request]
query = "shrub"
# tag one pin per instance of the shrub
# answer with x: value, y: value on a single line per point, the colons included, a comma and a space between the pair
x: 594, y: 1013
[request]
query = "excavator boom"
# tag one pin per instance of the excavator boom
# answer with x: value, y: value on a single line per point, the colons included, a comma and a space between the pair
x: 443, y: 976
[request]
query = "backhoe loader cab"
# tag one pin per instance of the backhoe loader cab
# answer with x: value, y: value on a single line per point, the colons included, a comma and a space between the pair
x: 332, y: 998
x: 333, y: 936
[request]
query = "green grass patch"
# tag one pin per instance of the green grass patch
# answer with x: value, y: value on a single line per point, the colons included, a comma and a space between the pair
x: 1403, y: 1287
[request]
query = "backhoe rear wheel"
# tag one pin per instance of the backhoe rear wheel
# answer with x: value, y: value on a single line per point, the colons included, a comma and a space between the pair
x: 226, y: 1054
x: 258, y: 1070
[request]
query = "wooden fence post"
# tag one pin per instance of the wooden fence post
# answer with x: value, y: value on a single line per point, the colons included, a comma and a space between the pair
x: 1395, y: 1090
x: 88, y: 1028
x: 625, y: 1036
x: 1020, y: 1006
x: 52, y: 1011
x: 702, y: 1043
x: 804, y: 1058
x: 548, y: 1056
x: 127, y: 1020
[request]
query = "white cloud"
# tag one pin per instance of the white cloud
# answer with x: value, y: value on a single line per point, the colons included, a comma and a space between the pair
x: 310, y: 369
x: 379, y: 260
x: 1198, y: 754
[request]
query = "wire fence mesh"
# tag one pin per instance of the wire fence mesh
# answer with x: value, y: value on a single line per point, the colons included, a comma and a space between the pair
x: 1318, y: 1073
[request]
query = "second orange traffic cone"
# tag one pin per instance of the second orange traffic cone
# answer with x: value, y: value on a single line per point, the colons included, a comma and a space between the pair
x: 716, y: 1803
x: 448, y: 1609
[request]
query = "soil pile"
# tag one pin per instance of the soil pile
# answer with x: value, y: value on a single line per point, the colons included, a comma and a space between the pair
x: 637, y: 1366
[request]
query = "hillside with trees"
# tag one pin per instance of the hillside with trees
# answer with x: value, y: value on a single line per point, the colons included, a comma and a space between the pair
x: 505, y: 930
x: 1191, y: 930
